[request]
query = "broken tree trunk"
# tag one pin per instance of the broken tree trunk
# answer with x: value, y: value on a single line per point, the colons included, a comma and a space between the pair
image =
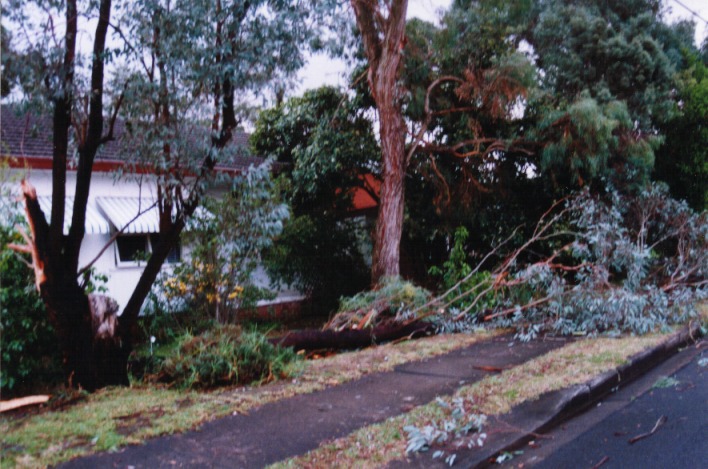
x: 94, y: 355
x: 316, y: 339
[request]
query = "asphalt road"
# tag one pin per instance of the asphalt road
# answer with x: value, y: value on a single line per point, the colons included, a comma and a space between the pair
x: 675, y: 393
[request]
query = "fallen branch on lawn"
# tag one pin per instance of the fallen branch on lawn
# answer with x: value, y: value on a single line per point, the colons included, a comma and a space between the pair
x: 22, y: 402
x: 347, y: 339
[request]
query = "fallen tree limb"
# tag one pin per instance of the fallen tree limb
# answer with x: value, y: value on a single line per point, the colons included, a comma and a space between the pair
x: 22, y: 402
x: 316, y: 339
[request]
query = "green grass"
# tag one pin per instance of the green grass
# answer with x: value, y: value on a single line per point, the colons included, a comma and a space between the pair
x: 116, y: 417
x: 576, y: 363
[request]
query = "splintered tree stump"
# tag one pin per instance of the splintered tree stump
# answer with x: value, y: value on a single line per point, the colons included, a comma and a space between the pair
x: 316, y: 339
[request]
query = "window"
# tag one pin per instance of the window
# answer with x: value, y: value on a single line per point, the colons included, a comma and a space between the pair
x: 133, y: 248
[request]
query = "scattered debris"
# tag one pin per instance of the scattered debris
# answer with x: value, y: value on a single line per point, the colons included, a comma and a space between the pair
x: 662, y: 420
x: 494, y: 369
x: 665, y: 382
x: 601, y: 462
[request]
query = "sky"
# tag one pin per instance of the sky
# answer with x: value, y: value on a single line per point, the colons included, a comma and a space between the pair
x: 321, y: 70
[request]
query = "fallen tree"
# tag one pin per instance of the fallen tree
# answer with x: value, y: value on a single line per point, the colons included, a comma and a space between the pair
x: 595, y: 263
x: 349, y: 339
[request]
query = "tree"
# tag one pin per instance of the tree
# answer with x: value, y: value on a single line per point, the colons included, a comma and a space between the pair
x: 682, y: 161
x: 601, y: 61
x: 227, y: 240
x: 331, y: 150
x: 184, y: 65
x: 382, y: 26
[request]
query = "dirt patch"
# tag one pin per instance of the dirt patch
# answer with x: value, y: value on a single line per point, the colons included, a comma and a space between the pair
x: 127, y: 425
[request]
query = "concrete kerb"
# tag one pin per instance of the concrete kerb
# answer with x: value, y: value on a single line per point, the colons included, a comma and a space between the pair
x: 561, y: 405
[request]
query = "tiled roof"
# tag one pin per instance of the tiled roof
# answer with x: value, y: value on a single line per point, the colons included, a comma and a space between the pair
x: 26, y: 135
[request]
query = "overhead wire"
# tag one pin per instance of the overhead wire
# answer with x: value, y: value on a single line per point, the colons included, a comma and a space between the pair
x: 693, y: 12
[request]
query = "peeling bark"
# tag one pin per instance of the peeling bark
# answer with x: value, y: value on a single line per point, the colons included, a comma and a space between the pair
x: 383, y: 34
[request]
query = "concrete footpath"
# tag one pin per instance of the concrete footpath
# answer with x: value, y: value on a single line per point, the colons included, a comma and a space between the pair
x: 296, y: 425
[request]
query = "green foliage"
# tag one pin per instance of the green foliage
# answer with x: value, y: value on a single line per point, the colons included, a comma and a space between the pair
x: 633, y: 264
x: 321, y: 258
x: 222, y: 356
x: 682, y: 162
x: 331, y: 146
x: 457, y: 277
x: 589, y: 140
x: 30, y: 357
x: 329, y: 142
x: 610, y: 49
x: 394, y: 300
x: 228, y: 237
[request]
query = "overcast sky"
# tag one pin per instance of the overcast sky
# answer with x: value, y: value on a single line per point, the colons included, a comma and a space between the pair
x: 321, y: 70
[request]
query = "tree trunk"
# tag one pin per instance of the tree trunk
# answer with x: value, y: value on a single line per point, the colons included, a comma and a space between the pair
x: 316, y: 339
x: 93, y: 355
x: 383, y: 35
x: 389, y: 224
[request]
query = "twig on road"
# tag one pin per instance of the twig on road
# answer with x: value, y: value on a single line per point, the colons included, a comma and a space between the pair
x: 662, y: 420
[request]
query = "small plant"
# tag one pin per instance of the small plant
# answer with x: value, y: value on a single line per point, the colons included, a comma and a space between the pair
x: 221, y: 356
x: 458, y: 278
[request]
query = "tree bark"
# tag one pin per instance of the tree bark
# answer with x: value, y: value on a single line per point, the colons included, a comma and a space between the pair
x: 384, y: 38
x: 316, y: 339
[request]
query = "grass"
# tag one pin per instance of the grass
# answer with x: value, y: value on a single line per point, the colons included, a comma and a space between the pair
x: 116, y: 417
x: 575, y: 363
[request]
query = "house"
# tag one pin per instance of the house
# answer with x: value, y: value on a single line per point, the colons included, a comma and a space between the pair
x: 121, y: 219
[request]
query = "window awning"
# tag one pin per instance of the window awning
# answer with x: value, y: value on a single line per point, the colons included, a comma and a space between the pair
x: 95, y: 223
x: 131, y: 214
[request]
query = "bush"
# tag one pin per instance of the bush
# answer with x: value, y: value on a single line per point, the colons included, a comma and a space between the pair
x: 226, y: 240
x: 29, y: 351
x: 221, y: 356
x: 458, y: 278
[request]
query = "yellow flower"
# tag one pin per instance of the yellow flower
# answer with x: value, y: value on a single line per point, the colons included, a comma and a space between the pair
x: 238, y: 289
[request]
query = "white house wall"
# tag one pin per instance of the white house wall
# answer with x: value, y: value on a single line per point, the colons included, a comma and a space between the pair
x: 122, y: 279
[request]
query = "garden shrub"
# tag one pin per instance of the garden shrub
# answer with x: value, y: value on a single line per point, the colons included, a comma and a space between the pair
x: 28, y: 345
x: 223, y: 355
x: 217, y: 280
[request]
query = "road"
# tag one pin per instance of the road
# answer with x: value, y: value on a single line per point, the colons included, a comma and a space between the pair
x: 673, y: 397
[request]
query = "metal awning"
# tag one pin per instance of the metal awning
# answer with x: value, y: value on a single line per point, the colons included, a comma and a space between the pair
x: 95, y: 222
x: 131, y: 214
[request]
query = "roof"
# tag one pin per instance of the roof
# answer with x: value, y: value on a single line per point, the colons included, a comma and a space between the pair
x: 95, y: 222
x: 131, y: 215
x: 27, y: 137
x: 362, y: 200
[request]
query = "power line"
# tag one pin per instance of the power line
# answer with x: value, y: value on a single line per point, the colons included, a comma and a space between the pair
x: 694, y: 13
